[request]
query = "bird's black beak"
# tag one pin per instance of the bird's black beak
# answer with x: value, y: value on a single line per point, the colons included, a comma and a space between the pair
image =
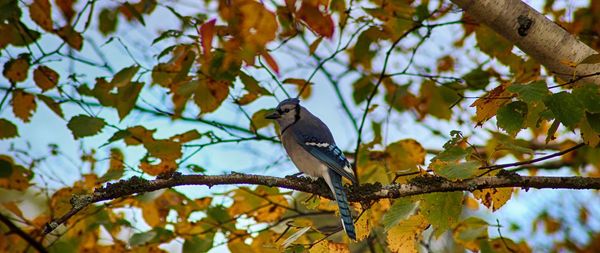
x: 273, y: 115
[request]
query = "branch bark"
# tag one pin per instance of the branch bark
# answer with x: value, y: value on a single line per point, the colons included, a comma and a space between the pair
x: 362, y: 193
x: 538, y: 36
x: 35, y: 244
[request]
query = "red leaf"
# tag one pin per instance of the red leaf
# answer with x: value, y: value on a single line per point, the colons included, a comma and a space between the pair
x: 271, y: 62
x: 207, y: 31
x: 320, y: 23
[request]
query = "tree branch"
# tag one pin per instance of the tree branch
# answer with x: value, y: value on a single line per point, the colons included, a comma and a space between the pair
x: 362, y: 193
x: 35, y: 244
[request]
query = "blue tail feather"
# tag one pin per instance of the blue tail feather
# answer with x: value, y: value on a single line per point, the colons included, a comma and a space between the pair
x: 340, y: 196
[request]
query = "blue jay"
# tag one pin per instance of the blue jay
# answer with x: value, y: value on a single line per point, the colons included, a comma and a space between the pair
x: 310, y: 145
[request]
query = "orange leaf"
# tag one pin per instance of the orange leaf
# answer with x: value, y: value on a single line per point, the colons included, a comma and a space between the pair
x: 14, y: 208
x: 41, y: 13
x: 71, y: 37
x: 271, y: 62
x: 23, y: 105
x: 488, y: 105
x: 45, y: 78
x: 317, y: 21
x: 207, y: 32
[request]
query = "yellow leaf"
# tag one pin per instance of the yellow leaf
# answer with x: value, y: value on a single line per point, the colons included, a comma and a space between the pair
x: 488, y: 105
x: 210, y: 94
x: 156, y: 169
x: 405, y: 155
x: 151, y: 214
x: 41, y: 13
x: 45, y: 77
x: 301, y: 85
x: 363, y: 226
x: 338, y: 247
x: 139, y: 135
x: 493, y: 198
x: 71, y: 37
x: 16, y: 70
x: 405, y: 236
x: 187, y: 136
x: 23, y: 105
x: 470, y: 232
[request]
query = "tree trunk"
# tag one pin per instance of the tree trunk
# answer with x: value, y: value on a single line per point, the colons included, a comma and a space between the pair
x: 539, y: 37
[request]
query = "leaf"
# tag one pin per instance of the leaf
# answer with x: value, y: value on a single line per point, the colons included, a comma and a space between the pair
x: 314, y: 45
x: 71, y: 37
x: 399, y: 211
x: 16, y: 70
x: 566, y: 108
x: 124, y: 76
x: 488, y: 105
x: 41, y: 13
x: 470, y: 232
x: 301, y: 84
x: 405, y: 236
x: 442, y: 210
x: 107, y: 21
x: 45, y: 77
x: 207, y: 32
x: 436, y: 100
x: 187, y: 136
x: 259, y: 121
x: 477, y: 79
x: 319, y: 22
x: 493, y: 198
x: 592, y: 59
x: 534, y: 91
x: 589, y: 95
x: 127, y: 97
x: 271, y: 62
x: 23, y: 105
x: 511, y: 117
x: 594, y: 120
x: 455, y: 171
x: 66, y: 7
x: 133, y: 11
x: 9, y: 130
x: 197, y: 244
x: 83, y: 126
x: 14, y: 176
x: 164, y: 149
x: 210, y: 94
x: 405, y: 155
x: 361, y: 89
x: 550, y: 136
x: 138, y: 239
x: 589, y: 135
x: 53, y: 105
x: 116, y: 166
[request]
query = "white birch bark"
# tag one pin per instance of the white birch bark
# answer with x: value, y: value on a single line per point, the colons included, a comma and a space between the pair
x: 539, y: 37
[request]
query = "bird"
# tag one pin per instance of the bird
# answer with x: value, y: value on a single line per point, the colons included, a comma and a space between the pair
x: 311, y: 147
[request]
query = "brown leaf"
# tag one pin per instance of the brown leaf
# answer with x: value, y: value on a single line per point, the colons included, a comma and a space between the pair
x: 16, y: 70
x: 207, y: 32
x: 271, y: 62
x: 53, y: 105
x: 45, y: 77
x: 71, y: 37
x: 41, y: 13
x: 23, y: 105
x: 66, y: 7
x: 210, y: 94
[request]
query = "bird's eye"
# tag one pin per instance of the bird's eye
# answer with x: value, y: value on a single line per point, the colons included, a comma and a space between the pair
x: 286, y: 110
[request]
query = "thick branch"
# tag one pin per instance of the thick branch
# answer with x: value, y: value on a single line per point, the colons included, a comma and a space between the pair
x: 536, y: 35
x: 362, y: 193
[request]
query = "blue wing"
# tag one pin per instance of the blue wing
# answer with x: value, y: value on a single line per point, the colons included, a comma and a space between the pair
x: 329, y: 154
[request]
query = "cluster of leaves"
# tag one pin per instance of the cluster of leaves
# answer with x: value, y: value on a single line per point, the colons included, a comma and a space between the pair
x: 217, y: 55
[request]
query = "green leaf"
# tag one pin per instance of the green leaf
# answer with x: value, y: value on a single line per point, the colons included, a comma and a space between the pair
x: 454, y: 153
x: 197, y: 244
x: 566, y: 108
x: 83, y: 126
x: 127, y: 97
x: 399, y: 211
x: 594, y: 120
x: 251, y: 85
x: 361, y: 89
x: 477, y: 79
x: 124, y: 76
x: 535, y: 91
x: 456, y: 171
x: 8, y: 129
x: 6, y: 169
x: 138, y: 239
x: 167, y: 34
x: 511, y: 117
x: 589, y: 95
x: 442, y: 210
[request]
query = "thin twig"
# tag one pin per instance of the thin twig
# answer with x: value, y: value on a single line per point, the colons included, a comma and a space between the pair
x: 35, y: 244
